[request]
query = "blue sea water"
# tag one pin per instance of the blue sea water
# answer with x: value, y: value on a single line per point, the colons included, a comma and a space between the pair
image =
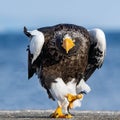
x: 17, y: 92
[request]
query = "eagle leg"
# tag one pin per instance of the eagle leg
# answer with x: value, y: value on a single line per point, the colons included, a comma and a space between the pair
x: 71, y: 98
x: 59, y: 114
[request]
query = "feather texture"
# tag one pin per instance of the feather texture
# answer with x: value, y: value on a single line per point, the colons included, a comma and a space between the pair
x: 97, y: 51
x: 62, y: 73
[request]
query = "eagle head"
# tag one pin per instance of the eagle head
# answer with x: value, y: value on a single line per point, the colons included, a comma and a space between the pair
x: 68, y: 43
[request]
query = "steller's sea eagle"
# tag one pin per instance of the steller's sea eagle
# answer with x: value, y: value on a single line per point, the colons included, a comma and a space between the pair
x: 64, y: 56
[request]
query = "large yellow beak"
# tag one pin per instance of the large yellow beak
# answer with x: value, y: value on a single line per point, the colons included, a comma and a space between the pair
x: 68, y: 44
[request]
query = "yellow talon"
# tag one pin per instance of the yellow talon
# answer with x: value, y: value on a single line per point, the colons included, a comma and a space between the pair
x: 58, y: 114
x: 70, y: 106
x: 68, y: 116
x: 79, y: 96
x: 71, y: 98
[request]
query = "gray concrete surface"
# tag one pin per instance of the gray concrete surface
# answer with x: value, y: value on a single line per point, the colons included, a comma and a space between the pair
x: 44, y: 115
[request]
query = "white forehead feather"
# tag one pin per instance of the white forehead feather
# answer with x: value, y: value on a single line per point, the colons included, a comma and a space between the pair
x: 67, y: 36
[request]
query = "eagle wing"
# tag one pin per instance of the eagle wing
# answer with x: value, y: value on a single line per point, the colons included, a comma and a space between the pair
x: 35, y: 66
x: 96, y: 53
x: 31, y: 70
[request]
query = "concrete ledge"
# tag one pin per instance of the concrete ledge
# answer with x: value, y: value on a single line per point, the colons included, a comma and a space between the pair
x: 44, y: 115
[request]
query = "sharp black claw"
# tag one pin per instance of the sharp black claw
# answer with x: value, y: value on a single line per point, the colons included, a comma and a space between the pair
x: 83, y: 92
x: 68, y: 109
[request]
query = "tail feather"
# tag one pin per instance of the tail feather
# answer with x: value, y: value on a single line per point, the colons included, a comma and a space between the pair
x: 83, y: 86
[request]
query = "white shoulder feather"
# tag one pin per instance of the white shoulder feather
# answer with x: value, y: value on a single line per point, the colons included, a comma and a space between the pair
x: 98, y: 38
x: 36, y: 43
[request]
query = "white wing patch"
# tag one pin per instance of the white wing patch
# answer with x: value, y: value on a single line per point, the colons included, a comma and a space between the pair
x: 36, y: 43
x: 98, y: 37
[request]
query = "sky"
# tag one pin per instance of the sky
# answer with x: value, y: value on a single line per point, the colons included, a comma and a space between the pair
x: 14, y: 14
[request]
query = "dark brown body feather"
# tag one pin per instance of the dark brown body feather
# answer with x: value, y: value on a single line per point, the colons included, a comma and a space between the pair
x: 54, y: 62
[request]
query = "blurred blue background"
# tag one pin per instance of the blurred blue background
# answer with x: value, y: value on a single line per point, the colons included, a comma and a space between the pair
x: 16, y: 92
